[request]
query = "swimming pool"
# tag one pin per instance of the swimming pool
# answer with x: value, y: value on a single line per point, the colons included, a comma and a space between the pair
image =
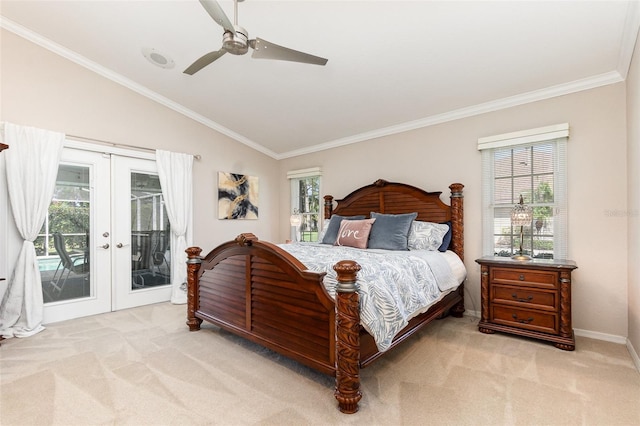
x: 48, y: 263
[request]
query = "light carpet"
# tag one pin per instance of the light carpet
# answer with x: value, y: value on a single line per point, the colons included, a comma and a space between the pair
x: 143, y: 367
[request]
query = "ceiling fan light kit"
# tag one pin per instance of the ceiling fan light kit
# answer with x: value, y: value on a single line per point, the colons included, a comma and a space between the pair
x: 235, y: 40
x: 236, y: 43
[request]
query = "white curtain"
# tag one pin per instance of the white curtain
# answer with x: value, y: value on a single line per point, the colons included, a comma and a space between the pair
x: 32, y: 166
x: 176, y: 180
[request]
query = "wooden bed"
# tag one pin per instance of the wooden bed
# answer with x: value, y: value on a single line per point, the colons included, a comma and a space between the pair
x: 255, y: 289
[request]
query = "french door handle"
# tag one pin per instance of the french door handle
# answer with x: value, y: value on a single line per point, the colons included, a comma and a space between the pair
x: 105, y: 246
x: 120, y: 245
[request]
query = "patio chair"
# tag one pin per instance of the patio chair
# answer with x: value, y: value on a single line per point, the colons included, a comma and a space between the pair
x: 78, y: 264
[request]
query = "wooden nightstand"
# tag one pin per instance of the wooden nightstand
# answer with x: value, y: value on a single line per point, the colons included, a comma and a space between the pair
x: 529, y: 298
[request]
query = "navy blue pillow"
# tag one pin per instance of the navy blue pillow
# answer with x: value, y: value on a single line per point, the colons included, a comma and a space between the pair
x: 331, y: 235
x: 446, y: 240
x: 391, y: 231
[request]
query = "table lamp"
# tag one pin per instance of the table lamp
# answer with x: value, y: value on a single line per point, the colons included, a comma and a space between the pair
x: 296, y: 220
x: 521, y: 216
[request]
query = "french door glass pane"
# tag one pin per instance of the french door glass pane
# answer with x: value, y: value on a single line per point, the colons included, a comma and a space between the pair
x: 150, y: 234
x: 62, y: 246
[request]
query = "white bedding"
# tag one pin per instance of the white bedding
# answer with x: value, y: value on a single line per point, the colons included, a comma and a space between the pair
x: 394, y: 286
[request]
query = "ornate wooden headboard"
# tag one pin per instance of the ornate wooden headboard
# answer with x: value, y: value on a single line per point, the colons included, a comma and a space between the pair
x: 397, y: 198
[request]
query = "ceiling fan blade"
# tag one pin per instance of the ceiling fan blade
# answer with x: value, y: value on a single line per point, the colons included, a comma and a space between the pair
x: 215, y: 11
x: 263, y: 49
x: 204, y: 61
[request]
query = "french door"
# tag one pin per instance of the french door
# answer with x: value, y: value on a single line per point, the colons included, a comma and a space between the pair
x: 105, y: 243
x: 141, y: 270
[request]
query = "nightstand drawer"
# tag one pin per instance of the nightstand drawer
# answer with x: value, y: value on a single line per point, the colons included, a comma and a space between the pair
x: 526, y: 277
x: 524, y: 297
x: 545, y: 322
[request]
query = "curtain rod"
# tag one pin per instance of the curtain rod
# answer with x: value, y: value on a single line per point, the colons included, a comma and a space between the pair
x: 114, y: 144
x: 121, y: 145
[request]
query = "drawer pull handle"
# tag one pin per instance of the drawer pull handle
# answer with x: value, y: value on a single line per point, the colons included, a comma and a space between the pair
x: 520, y: 299
x: 521, y: 320
x: 521, y: 277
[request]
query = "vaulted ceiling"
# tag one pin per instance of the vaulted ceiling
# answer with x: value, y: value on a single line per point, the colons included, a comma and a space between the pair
x: 392, y: 65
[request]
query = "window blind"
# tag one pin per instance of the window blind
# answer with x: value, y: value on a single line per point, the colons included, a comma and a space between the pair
x: 302, y: 173
x: 539, y: 134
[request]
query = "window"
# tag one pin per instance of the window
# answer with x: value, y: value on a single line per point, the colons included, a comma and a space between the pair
x: 305, y: 200
x: 531, y: 164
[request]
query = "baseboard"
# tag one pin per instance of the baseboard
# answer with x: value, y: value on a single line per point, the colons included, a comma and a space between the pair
x: 600, y: 336
x: 634, y: 355
x: 474, y: 314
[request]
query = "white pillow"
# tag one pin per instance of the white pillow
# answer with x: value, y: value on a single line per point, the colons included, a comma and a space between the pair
x: 323, y: 231
x: 426, y: 235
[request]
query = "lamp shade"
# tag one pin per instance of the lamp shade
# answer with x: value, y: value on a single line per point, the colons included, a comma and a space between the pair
x: 295, y: 220
x: 521, y: 214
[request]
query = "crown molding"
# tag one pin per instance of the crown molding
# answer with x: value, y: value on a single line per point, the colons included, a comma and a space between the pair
x: 504, y: 103
x: 629, y: 38
x: 129, y: 84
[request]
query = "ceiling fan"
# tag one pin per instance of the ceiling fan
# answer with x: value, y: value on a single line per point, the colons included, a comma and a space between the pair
x: 235, y: 40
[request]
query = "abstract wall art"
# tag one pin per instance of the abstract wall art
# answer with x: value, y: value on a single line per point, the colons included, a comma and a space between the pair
x: 237, y: 196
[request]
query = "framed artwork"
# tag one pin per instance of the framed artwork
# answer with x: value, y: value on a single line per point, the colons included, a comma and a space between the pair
x: 237, y: 196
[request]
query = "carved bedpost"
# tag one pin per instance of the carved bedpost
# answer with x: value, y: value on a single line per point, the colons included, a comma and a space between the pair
x: 457, y: 216
x: 347, y: 337
x: 193, y: 267
x: 457, y: 239
x: 328, y: 206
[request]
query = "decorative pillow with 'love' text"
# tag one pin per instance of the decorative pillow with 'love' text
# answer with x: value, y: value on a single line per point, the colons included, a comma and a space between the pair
x: 354, y: 233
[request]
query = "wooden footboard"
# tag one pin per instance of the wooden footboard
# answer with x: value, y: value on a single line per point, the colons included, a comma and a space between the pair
x: 256, y: 290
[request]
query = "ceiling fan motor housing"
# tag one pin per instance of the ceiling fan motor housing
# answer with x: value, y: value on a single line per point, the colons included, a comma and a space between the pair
x: 236, y: 44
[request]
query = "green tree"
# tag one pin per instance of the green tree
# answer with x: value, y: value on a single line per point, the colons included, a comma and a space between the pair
x: 541, y: 214
x: 66, y: 217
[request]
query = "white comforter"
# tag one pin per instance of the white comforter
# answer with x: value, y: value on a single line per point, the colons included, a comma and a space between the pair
x: 394, y: 286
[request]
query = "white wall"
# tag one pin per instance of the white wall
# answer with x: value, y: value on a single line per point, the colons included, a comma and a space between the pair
x: 633, y: 217
x: 434, y: 157
x: 42, y: 89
